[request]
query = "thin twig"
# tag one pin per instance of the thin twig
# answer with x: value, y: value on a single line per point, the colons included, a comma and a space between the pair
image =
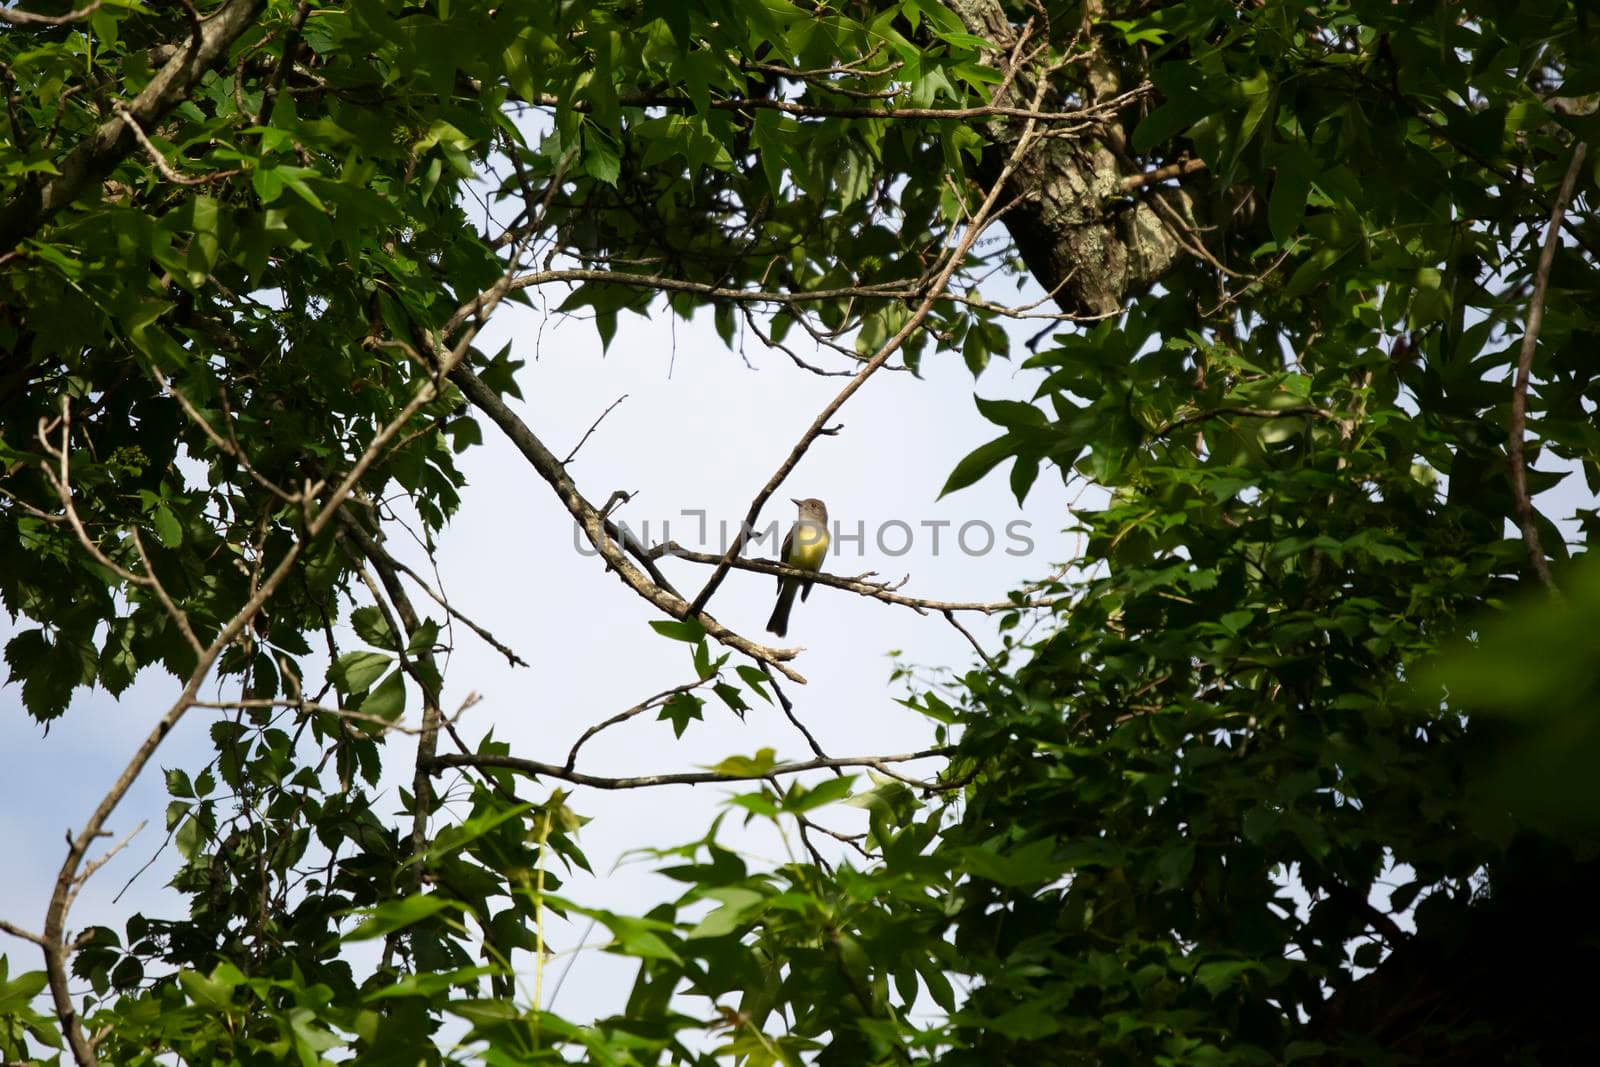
x: 898, y: 291
x: 194, y: 21
x: 788, y: 711
x: 95, y: 864
x: 311, y: 707
x: 1519, y: 393
x: 638, y: 709
x: 291, y: 42
x: 229, y: 446
x: 950, y: 617
x: 160, y: 160
x: 438, y: 598
x: 583, y: 440
x: 1298, y: 411
x: 61, y: 480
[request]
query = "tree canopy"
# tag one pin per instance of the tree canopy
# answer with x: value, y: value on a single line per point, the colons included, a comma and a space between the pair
x: 1292, y: 765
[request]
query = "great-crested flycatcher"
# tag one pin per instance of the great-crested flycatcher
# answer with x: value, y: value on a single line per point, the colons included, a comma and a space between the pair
x: 805, y: 548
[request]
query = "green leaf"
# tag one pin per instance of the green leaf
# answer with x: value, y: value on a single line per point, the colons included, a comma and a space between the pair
x: 1187, y: 103
x: 978, y: 462
x: 214, y: 993
x: 800, y: 800
x: 433, y: 984
x: 370, y: 625
x: 1217, y: 976
x: 1290, y: 189
x: 168, y: 530
x: 424, y: 639
x: 388, y: 701
x: 600, y: 159
x: 354, y: 672
x: 1011, y: 413
x: 731, y: 697
x: 680, y: 710
x: 268, y: 182
x: 739, y: 907
x: 701, y: 655
x: 399, y: 914
x: 15, y: 994
x: 754, y: 679
x: 642, y: 938
x: 189, y: 838
x: 748, y: 766
x: 1031, y: 864
x: 690, y: 631
x: 1023, y: 474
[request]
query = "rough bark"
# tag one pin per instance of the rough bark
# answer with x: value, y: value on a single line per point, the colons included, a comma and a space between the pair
x: 1082, y: 237
x: 97, y: 154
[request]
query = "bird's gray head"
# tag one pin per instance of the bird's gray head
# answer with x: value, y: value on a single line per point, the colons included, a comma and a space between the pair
x: 812, y: 510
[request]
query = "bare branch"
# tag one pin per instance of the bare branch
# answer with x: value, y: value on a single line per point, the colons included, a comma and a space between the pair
x: 895, y: 291
x: 643, y: 706
x: 1087, y: 116
x: 788, y: 710
x: 194, y: 21
x: 1161, y: 174
x: 884, y: 591
x: 19, y: 136
x: 291, y: 42
x: 311, y: 707
x: 772, y: 342
x: 26, y: 935
x: 438, y: 598
x: 950, y: 617
x: 160, y: 160
x: 28, y: 18
x: 427, y: 680
x: 61, y: 480
x: 882, y: 764
x: 1515, y: 454
x: 584, y: 439
x: 94, y: 865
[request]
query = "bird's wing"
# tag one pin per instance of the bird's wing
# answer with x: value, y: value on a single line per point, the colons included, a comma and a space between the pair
x: 786, y: 551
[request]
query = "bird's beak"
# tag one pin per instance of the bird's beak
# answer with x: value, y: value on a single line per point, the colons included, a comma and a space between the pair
x: 794, y: 501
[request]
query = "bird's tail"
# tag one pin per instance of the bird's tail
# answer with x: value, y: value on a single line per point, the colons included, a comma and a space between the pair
x: 779, y: 623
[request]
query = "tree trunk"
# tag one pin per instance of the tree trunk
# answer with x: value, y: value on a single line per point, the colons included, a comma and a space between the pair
x: 1083, y: 236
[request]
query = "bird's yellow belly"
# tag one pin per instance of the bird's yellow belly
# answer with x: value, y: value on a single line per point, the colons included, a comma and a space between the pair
x: 810, y: 548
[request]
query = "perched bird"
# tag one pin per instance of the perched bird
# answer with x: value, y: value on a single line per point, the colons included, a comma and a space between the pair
x: 804, y: 549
